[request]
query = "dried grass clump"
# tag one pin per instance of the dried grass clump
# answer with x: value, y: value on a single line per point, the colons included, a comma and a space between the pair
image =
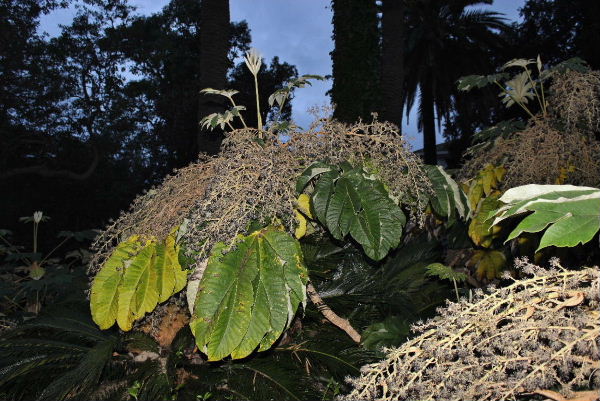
x: 576, y: 100
x: 541, y: 154
x: 254, y: 180
x: 539, y: 333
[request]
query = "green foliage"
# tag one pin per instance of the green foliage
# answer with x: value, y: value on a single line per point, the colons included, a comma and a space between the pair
x: 488, y: 263
x: 136, y: 277
x: 445, y: 272
x: 481, y: 229
x: 486, y: 138
x: 448, y: 198
x: 253, y: 62
x: 349, y: 201
x: 280, y: 96
x: 392, y: 332
x: 62, y: 352
x: 248, y: 295
x: 32, y: 279
x: 571, y: 214
x: 522, y: 87
x: 469, y: 82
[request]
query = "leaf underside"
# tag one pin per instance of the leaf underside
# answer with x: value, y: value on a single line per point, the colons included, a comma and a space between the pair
x: 137, y: 276
x: 569, y: 215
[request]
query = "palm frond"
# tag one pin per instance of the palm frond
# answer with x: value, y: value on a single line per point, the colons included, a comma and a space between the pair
x: 62, y: 354
x: 85, y: 376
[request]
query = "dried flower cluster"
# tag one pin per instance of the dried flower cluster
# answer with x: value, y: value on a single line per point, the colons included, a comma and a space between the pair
x: 157, y: 211
x: 541, y: 154
x: 539, y: 333
x: 576, y: 100
x: 254, y: 180
x: 557, y: 148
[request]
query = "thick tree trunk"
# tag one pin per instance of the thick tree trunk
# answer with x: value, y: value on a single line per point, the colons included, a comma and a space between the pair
x: 214, y: 47
x: 355, y: 59
x: 428, y: 119
x: 392, y: 61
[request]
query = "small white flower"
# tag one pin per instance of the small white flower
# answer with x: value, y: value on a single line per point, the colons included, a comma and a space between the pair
x: 37, y: 216
x: 253, y: 61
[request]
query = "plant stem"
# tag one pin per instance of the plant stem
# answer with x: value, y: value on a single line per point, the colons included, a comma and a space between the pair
x: 35, y: 237
x: 258, y: 117
x: 543, y: 97
x: 330, y: 315
x: 241, y: 117
x: 537, y: 95
x: 53, y: 250
x: 456, y: 290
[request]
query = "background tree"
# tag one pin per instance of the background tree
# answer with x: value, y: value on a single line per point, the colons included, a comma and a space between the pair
x: 444, y: 41
x: 68, y: 129
x: 214, y: 46
x: 559, y: 30
x: 355, y: 57
x: 392, y: 60
x: 103, y: 110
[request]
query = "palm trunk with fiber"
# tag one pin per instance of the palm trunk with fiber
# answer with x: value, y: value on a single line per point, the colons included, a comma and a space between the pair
x: 428, y: 121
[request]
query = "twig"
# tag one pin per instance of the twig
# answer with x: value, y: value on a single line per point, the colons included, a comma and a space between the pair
x: 330, y: 315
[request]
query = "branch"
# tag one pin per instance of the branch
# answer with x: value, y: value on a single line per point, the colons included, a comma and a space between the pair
x: 330, y: 315
x: 44, y: 171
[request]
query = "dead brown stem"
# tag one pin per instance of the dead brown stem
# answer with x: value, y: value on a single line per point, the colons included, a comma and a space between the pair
x: 330, y: 315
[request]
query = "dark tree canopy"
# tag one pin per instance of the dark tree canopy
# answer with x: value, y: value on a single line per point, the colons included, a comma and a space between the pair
x: 106, y: 108
x: 561, y: 29
x: 444, y: 41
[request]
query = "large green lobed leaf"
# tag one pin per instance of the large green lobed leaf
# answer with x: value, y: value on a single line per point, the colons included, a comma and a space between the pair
x: 248, y: 294
x: 348, y: 201
x: 104, y: 292
x: 448, y: 198
x: 137, y: 276
x: 571, y: 213
x: 138, y: 292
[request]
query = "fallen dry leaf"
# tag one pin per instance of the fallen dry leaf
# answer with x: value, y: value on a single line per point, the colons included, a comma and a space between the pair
x: 576, y: 299
x: 579, y: 395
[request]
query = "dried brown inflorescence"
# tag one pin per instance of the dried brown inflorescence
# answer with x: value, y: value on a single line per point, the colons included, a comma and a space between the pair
x: 541, y: 154
x: 539, y: 333
x: 156, y: 212
x: 576, y: 100
x: 559, y: 148
x: 254, y: 180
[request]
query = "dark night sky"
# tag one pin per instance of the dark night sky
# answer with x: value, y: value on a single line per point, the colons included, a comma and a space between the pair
x: 298, y: 31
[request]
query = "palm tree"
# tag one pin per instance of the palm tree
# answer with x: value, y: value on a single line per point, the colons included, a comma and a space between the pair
x: 445, y: 39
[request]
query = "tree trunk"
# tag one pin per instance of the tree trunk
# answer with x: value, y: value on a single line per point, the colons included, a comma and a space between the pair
x: 428, y: 121
x: 392, y: 61
x: 355, y: 59
x: 214, y: 47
